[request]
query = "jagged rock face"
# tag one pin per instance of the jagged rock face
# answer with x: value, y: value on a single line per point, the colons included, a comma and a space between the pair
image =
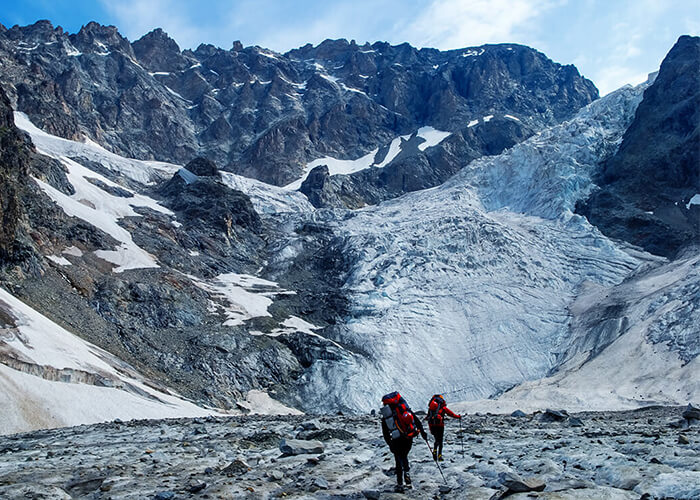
x: 414, y: 169
x: 14, y: 167
x: 210, y: 204
x: 203, y: 167
x: 646, y: 188
x: 156, y: 51
x: 266, y: 115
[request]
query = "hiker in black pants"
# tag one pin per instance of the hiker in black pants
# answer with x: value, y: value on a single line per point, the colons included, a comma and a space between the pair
x: 399, y: 427
x: 437, y: 409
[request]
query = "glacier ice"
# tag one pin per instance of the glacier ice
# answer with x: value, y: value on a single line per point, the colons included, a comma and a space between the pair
x: 465, y: 288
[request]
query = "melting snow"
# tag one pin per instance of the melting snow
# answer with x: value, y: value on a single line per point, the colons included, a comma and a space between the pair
x: 144, y: 172
x: 59, y: 260
x: 74, y: 251
x: 246, y: 296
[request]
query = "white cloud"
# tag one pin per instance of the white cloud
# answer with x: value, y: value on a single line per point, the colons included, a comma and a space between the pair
x: 135, y: 18
x: 611, y: 78
x: 450, y: 24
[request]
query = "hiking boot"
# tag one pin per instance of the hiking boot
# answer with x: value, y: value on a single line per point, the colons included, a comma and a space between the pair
x: 440, y: 459
x: 407, y: 479
x: 435, y: 455
x: 399, y: 488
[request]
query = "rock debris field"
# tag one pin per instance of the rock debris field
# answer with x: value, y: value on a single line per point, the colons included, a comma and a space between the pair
x: 648, y: 453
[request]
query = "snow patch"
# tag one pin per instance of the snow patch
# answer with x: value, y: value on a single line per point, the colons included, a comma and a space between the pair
x: 103, y: 210
x: 145, y: 172
x: 74, y: 251
x: 695, y: 200
x: 260, y: 403
x: 59, y: 260
x: 245, y: 296
x: 473, y: 53
x: 431, y: 136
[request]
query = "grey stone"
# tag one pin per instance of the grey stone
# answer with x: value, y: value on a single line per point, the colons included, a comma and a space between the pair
x: 321, y: 483
x: 550, y: 415
x: 236, y: 468
x: 196, y: 487
x: 691, y: 412
x: 575, y: 422
x: 300, y: 447
x: 516, y: 484
x: 518, y: 413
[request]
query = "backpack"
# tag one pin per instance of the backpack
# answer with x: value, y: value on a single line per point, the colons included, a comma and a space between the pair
x: 397, y: 416
x: 435, y: 406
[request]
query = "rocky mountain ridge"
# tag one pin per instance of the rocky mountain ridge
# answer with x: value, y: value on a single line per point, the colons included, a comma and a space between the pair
x: 266, y: 115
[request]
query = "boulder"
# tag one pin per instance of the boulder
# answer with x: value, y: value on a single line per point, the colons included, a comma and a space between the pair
x: 550, y: 415
x: 518, y: 414
x: 236, y: 468
x: 300, y: 447
x: 516, y: 484
x: 691, y: 412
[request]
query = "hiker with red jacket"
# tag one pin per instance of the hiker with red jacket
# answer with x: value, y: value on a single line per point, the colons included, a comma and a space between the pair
x: 437, y: 408
x: 399, y: 427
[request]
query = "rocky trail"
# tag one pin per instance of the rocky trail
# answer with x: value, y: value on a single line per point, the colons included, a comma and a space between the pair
x: 648, y: 453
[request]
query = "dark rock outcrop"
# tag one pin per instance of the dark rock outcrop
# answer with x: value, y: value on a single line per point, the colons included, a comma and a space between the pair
x: 646, y: 188
x: 14, y: 175
x: 203, y: 167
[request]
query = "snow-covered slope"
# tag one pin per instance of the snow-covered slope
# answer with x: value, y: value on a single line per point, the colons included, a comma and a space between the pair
x: 652, y: 361
x: 266, y: 198
x: 50, y: 378
x: 465, y: 289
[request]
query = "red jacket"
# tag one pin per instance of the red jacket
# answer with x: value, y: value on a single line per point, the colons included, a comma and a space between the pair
x: 440, y: 419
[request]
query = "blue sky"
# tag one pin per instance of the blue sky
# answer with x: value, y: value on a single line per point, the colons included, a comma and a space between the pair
x: 612, y: 42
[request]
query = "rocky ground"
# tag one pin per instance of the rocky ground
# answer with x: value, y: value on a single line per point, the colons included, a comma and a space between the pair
x: 648, y: 453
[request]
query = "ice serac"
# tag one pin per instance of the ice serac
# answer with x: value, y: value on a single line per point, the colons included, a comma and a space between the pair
x: 645, y: 189
x: 465, y: 288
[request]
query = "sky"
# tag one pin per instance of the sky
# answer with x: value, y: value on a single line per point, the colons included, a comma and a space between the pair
x: 612, y: 42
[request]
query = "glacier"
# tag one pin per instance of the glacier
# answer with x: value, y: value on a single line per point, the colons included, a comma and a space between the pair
x: 465, y: 289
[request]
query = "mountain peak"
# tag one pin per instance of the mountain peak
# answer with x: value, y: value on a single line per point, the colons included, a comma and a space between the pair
x: 156, y: 51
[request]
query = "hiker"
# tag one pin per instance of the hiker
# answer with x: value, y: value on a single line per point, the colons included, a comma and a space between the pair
x: 399, y: 427
x: 437, y: 408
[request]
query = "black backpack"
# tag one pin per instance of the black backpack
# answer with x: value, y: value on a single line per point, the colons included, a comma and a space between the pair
x: 435, y: 405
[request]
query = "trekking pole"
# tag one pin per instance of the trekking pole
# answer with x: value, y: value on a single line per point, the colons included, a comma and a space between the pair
x: 461, y: 435
x: 435, y: 460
